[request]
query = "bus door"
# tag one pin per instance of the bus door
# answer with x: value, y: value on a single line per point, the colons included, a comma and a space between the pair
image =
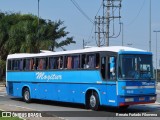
x: 103, y: 67
x: 108, y: 67
x: 108, y: 73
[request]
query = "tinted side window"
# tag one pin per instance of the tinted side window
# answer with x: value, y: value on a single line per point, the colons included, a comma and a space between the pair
x: 42, y: 64
x: 76, y: 62
x: 56, y: 62
x: 60, y: 62
x: 9, y: 66
x: 17, y: 64
x: 83, y: 61
x: 52, y: 63
x: 90, y: 61
x: 72, y: 62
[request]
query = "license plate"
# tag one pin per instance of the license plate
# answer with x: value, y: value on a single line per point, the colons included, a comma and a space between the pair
x: 141, y: 99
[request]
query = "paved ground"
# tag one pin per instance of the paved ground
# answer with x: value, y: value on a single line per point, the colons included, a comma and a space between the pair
x: 2, y: 89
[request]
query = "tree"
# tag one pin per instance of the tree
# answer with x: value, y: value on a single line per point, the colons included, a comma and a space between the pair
x: 54, y: 34
x: 2, y: 68
x: 21, y: 33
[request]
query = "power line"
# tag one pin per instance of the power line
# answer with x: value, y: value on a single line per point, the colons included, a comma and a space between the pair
x: 85, y: 15
x: 99, y: 8
x: 137, y: 13
x: 109, y: 15
x: 94, y: 23
x: 81, y: 11
x: 91, y: 32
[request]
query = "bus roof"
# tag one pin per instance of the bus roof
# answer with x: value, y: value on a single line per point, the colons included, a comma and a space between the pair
x: 92, y: 49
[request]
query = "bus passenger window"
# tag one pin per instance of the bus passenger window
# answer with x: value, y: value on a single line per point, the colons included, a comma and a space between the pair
x: 60, y: 62
x: 72, y: 62
x: 21, y: 65
x: 24, y: 64
x: 65, y: 62
x: 91, y: 61
x: 103, y: 67
x: 27, y: 65
x: 83, y: 61
x: 51, y: 63
x: 31, y: 64
x: 97, y: 61
x: 112, y: 69
x: 46, y: 64
x: 42, y: 64
x: 13, y: 65
x: 16, y: 65
x: 56, y: 63
x: 69, y: 63
x: 76, y: 63
x: 9, y: 66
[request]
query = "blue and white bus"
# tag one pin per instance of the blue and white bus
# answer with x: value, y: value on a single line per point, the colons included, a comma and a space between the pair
x: 107, y: 76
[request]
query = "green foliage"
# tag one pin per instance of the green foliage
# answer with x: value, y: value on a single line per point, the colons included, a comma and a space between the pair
x: 21, y: 33
x: 2, y: 64
x: 2, y: 68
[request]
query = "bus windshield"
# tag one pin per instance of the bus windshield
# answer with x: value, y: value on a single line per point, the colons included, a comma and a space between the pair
x: 135, y: 67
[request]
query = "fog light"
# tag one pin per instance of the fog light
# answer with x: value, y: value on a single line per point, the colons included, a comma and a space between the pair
x: 129, y: 99
x: 152, y: 98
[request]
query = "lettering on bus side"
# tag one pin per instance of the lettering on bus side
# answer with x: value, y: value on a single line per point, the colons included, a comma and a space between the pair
x: 43, y: 76
x: 147, y: 84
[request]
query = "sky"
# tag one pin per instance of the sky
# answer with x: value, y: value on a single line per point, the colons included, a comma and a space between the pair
x: 134, y: 13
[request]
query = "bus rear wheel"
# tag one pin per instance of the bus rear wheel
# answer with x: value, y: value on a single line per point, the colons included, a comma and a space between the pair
x: 26, y: 95
x: 93, y: 101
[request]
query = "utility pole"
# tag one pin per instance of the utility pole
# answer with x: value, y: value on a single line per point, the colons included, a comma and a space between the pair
x: 99, y: 23
x: 107, y: 22
x: 156, y: 31
x: 150, y: 26
x: 122, y: 33
x: 85, y: 43
x: 99, y: 35
x: 111, y: 11
x: 38, y: 25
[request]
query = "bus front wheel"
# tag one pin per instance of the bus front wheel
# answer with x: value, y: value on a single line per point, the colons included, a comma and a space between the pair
x: 26, y: 95
x: 93, y: 101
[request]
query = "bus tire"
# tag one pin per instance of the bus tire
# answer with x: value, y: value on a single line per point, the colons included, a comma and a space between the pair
x: 26, y: 95
x: 93, y: 101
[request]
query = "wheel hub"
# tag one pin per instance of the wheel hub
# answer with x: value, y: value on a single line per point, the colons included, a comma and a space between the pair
x: 92, y: 101
x: 26, y: 95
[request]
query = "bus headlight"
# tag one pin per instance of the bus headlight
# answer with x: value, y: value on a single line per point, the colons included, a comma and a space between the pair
x: 129, y: 99
x: 152, y: 98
